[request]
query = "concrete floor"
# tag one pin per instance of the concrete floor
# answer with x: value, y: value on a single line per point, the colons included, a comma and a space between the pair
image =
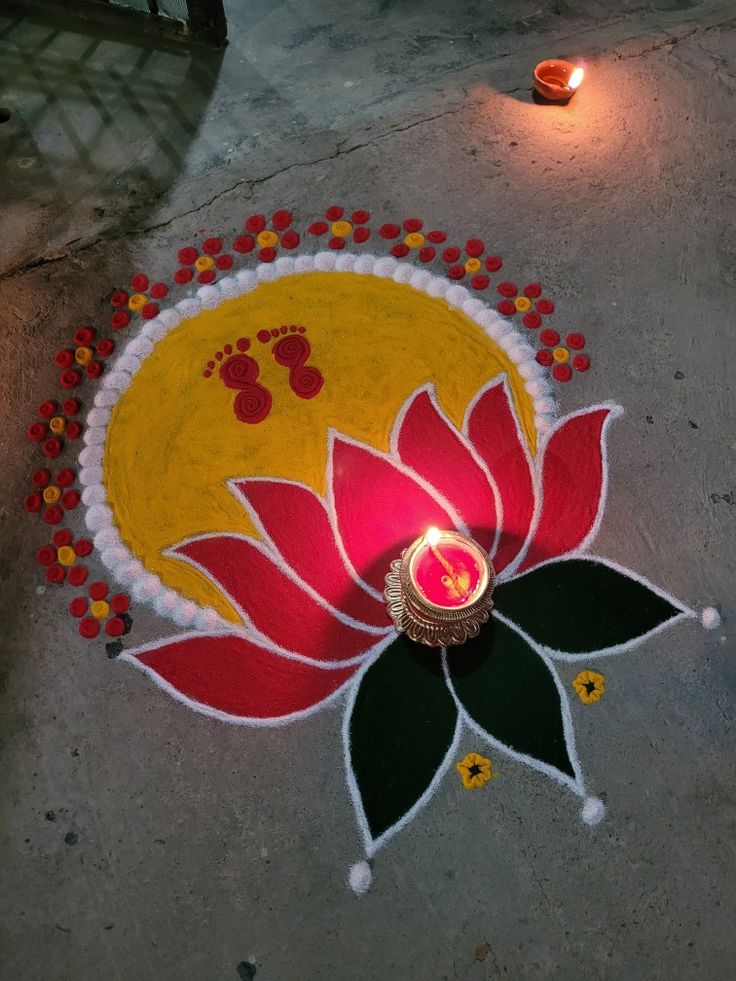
x: 140, y: 841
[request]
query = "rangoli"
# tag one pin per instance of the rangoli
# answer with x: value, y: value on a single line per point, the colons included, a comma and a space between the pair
x: 261, y: 447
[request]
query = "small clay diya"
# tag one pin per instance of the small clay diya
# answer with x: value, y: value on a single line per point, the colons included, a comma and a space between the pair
x: 557, y: 80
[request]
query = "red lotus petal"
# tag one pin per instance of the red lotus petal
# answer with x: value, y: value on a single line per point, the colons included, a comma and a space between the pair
x: 379, y: 509
x: 494, y: 432
x: 573, y: 478
x: 295, y: 519
x: 432, y: 447
x: 234, y: 675
x: 275, y: 604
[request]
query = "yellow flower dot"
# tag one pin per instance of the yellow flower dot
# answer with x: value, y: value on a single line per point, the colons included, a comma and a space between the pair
x: 590, y: 686
x: 523, y: 304
x: 472, y: 265
x: 204, y: 262
x: 57, y: 424
x: 415, y: 240
x: 137, y: 301
x: 341, y: 229
x: 51, y: 494
x: 475, y: 771
x: 83, y: 355
x: 561, y: 355
x: 99, y: 609
x: 66, y: 555
x: 267, y: 239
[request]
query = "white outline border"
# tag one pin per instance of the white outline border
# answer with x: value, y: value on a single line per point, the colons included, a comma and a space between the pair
x: 129, y: 571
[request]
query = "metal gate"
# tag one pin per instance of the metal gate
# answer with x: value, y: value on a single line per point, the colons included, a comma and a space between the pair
x: 200, y: 20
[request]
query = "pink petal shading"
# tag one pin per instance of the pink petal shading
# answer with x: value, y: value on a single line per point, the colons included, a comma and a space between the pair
x: 379, y: 509
x: 296, y: 521
x: 573, y: 477
x: 436, y: 451
x: 494, y: 432
x: 236, y: 676
x: 277, y: 607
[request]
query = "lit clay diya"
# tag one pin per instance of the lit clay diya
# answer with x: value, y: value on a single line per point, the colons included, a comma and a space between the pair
x: 439, y: 591
x: 557, y: 80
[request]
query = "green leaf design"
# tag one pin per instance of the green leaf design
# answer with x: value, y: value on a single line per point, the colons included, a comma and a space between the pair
x: 581, y: 606
x: 509, y: 691
x: 400, y: 730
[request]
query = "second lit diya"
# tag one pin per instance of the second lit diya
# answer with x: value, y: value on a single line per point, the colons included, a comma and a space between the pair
x: 439, y: 591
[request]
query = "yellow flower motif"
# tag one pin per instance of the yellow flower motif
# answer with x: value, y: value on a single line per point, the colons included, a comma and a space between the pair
x: 137, y: 301
x: 99, y: 609
x: 51, y: 494
x: 57, y: 424
x: 341, y: 229
x: 523, y: 304
x: 201, y: 264
x: 267, y: 239
x: 475, y: 770
x: 561, y: 355
x: 472, y: 265
x: 415, y: 240
x: 590, y: 686
x: 83, y: 355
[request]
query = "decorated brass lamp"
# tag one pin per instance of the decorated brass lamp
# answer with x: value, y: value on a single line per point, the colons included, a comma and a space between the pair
x: 439, y: 591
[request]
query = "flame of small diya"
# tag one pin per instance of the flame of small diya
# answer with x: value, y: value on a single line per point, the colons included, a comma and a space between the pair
x: 576, y: 78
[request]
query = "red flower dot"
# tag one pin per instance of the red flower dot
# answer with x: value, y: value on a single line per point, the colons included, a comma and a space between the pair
x: 507, y: 308
x: 120, y: 319
x: 224, y: 261
x: 533, y: 290
x: 436, y: 237
x: 427, y: 253
x: 532, y: 320
x: 39, y: 478
x: 120, y: 603
x: 182, y: 276
x: 507, y: 289
x: 187, y: 256
x: 474, y: 247
x: 70, y: 378
x: 115, y: 627
x: 255, y: 224
x: 413, y: 225
x: 456, y: 272
x: 562, y: 372
x: 336, y: 243
x: 83, y: 547
x: 66, y: 477
x: 576, y: 341
x: 93, y: 369
x: 89, y: 627
x: 61, y: 537
x: 105, y: 347
x: 149, y: 311
x: 53, y: 515
x: 244, y: 243
x: 207, y: 276
x: 264, y: 336
x: 581, y: 362
x: 480, y: 282
x: 275, y: 332
x: 33, y: 502
x: 139, y: 283
x: 78, y: 606
x: 70, y: 499
x: 290, y: 239
x: 98, y: 590
x: 493, y: 263
x: 400, y: 250
x: 37, y: 431
x: 242, y: 343
x: 119, y: 298
x: 544, y: 358
x: 51, y: 448
x: 549, y: 337
x: 361, y: 234
x: 46, y: 555
x: 47, y: 409
x: 284, y: 329
x: 281, y: 219
x: 212, y: 246
x: 360, y: 217
x: 85, y: 335
x: 73, y: 430
x: 267, y: 255
x: 451, y: 255
x: 545, y: 306
x: 158, y: 291
x: 72, y: 406
x: 56, y: 574
x: 334, y: 213
x: 318, y: 228
x: 64, y: 358
x: 78, y: 574
x: 389, y: 231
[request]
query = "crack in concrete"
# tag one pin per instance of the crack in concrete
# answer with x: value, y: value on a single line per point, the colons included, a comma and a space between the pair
x: 673, y: 40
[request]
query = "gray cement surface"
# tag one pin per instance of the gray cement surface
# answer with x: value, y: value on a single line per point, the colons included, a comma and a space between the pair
x: 141, y: 841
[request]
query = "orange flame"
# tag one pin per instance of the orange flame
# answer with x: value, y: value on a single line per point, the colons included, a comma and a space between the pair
x: 576, y: 78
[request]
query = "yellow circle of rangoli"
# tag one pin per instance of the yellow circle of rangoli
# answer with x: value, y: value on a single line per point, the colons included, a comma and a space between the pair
x: 174, y: 441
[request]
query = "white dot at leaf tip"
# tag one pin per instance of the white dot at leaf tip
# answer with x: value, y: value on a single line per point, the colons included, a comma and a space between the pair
x: 360, y: 877
x: 710, y: 618
x: 594, y: 810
